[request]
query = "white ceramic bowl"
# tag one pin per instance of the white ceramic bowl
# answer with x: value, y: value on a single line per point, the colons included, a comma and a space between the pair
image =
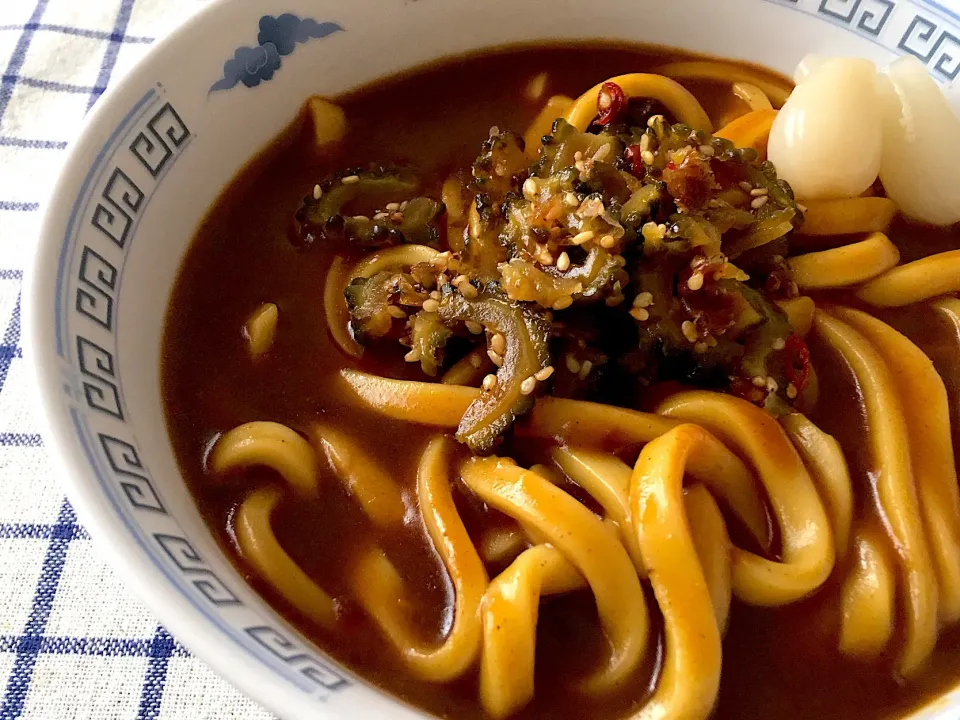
x: 152, y: 158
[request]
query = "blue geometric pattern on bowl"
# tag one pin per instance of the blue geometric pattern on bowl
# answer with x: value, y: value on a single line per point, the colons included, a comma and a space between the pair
x: 101, y: 230
x: 923, y: 28
x: 278, y: 36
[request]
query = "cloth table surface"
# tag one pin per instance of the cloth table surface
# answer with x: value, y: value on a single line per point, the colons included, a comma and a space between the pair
x: 74, y: 642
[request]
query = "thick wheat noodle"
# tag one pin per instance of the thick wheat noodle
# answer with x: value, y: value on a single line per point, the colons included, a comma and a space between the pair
x: 867, y: 599
x: 590, y: 547
x: 382, y: 592
x: 690, y: 678
x: 927, y: 414
x: 270, y: 445
x: 890, y: 448
x: 806, y: 538
x: 569, y: 421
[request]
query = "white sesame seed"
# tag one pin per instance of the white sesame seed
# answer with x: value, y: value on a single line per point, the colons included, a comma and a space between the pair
x: 475, y: 360
x: 607, y: 242
x: 570, y: 199
x: 468, y: 291
x: 361, y: 218
x: 644, y: 142
x: 396, y: 312
x: 544, y: 374
x: 745, y: 186
x: 489, y: 382
x: 585, y: 369
x: 779, y: 344
x: 460, y: 279
x: 578, y: 155
x: 530, y: 188
x: 601, y: 153
x: 758, y: 192
x: 431, y: 305
x: 397, y: 217
x: 350, y: 179
x: 759, y: 381
x: 700, y: 347
x: 380, y: 216
x: 642, y: 300
x: 413, y: 355
x: 563, y: 262
x: 647, y: 157
x: 759, y: 202
x: 392, y: 207
x: 771, y: 384
x: 317, y: 192
x: 498, y: 343
x: 435, y: 294
x: 563, y: 303
x: 707, y: 150
x: 640, y: 314
x: 653, y: 232
x: 695, y: 282
x: 573, y: 365
x: 792, y: 391
x: 689, y: 330
x: 581, y: 238
x: 474, y: 327
x: 712, y: 341
x: 494, y: 358
x: 494, y: 131
x: 528, y: 385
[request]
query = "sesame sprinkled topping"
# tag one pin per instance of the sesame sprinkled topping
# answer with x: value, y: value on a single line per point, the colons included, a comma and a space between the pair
x: 581, y: 238
x: 707, y: 150
x: 779, y: 344
x: 758, y: 192
x: 771, y: 384
x: 585, y: 369
x: 392, y: 207
x: 644, y: 142
x: 563, y: 262
x: 601, y: 153
x: 640, y: 314
x: 792, y: 391
x: 654, y: 120
x: 700, y: 347
x: 361, y: 218
x: 468, y: 291
x: 544, y: 374
x: 578, y: 155
x: 431, y: 305
x: 350, y: 179
x: 570, y: 199
x: 413, y: 355
x: 563, y: 303
x: 689, y: 330
x: 435, y: 294
x: 759, y: 381
x: 530, y: 188
x: 495, y: 358
x: 759, y: 202
x: 396, y: 312
x: 474, y: 327
x: 573, y: 365
x: 460, y: 279
x: 607, y: 241
x: 494, y: 131
x: 745, y: 186
x: 528, y: 386
x: 642, y: 300
x: 317, y: 192
x: 475, y: 360
x: 498, y: 343
x: 380, y: 216
x: 695, y: 282
x: 653, y: 232
x: 647, y: 157
x: 489, y: 382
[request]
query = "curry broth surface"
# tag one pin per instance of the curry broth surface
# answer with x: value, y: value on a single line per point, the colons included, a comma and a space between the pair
x: 777, y: 663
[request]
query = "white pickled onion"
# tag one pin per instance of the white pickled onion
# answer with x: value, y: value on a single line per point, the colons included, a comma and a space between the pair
x: 827, y: 138
x: 921, y: 146
x: 807, y: 66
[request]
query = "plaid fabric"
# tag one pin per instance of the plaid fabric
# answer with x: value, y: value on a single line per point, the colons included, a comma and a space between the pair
x: 73, y: 642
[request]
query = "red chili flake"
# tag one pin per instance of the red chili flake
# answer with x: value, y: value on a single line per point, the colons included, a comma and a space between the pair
x: 611, y: 102
x: 797, y: 357
x: 632, y: 155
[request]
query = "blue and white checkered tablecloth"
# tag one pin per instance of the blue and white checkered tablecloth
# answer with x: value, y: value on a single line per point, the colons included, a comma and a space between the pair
x: 74, y: 643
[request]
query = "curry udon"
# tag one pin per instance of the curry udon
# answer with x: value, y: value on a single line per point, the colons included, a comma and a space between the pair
x: 524, y: 392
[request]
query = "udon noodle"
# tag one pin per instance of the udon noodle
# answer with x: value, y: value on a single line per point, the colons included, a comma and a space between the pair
x: 670, y: 517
